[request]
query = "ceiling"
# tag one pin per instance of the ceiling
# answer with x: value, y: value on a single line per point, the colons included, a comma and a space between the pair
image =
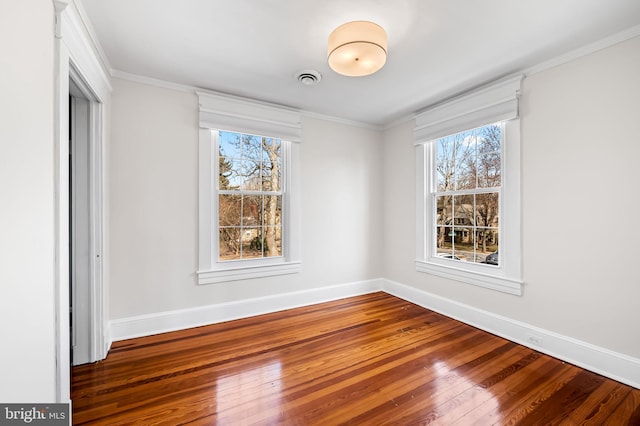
x: 437, y: 48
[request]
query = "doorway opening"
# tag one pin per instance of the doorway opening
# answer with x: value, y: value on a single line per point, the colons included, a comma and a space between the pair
x: 86, y: 321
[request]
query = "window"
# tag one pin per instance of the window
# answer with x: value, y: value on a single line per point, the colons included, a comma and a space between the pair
x: 468, y: 188
x: 466, y: 194
x: 248, y: 194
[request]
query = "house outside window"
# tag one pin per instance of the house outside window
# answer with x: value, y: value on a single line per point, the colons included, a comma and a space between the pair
x: 248, y: 189
x: 468, y: 204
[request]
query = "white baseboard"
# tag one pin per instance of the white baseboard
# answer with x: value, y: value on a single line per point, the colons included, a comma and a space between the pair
x: 146, y: 325
x: 617, y: 366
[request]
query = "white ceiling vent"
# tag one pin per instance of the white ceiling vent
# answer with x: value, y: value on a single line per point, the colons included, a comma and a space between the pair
x: 308, y: 77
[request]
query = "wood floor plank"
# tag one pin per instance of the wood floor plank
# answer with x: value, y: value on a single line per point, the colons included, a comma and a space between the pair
x: 367, y: 360
x: 515, y: 394
x: 602, y: 400
x: 446, y: 398
x: 628, y: 412
x: 488, y: 391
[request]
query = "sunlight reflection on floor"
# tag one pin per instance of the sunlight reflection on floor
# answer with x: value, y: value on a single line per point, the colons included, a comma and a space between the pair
x: 249, y: 392
x: 456, y: 395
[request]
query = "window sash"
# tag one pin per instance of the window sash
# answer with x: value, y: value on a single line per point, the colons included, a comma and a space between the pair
x: 215, y: 134
x: 432, y: 245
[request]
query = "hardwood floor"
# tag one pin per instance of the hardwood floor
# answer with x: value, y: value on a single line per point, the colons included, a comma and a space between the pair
x: 367, y: 360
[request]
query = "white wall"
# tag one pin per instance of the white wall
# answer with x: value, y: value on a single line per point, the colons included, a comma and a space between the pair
x: 580, y: 153
x: 341, y: 171
x: 154, y: 204
x: 153, y: 191
x: 580, y: 171
x: 27, y: 357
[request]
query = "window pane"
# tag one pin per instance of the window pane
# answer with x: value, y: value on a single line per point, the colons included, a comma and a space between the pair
x: 492, y: 257
x: 229, y: 210
x: 445, y: 163
x: 251, y: 243
x: 489, y: 155
x: 443, y: 209
x: 252, y: 147
x: 272, y: 210
x: 463, y: 210
x: 271, y: 175
x: 465, y: 160
x: 273, y: 241
x: 487, y: 240
x: 488, y: 209
x: 271, y: 150
x: 272, y: 165
x: 251, y: 210
x: 443, y: 218
x: 229, y: 144
x: 229, y: 247
x: 224, y: 172
x: 464, y: 242
x: 251, y: 176
x: 235, y: 174
x: 446, y: 238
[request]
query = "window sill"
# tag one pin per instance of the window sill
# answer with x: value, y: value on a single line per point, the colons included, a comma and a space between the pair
x: 494, y: 282
x: 247, y: 272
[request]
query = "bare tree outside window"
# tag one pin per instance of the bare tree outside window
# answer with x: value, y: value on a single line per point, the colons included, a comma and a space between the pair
x: 467, y: 194
x: 249, y: 196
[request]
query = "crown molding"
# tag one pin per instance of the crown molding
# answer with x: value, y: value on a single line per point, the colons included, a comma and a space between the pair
x: 370, y: 126
x: 585, y: 50
x: 398, y: 122
x: 122, y: 75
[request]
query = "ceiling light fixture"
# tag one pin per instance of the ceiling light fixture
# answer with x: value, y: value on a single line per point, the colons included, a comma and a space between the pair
x: 357, y: 48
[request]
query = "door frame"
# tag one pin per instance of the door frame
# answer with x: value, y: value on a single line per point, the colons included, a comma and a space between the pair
x: 76, y: 57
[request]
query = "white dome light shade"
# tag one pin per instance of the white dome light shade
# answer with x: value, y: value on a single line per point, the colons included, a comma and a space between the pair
x: 357, y: 48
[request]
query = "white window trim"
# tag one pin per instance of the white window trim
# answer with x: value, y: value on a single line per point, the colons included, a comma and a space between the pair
x: 219, y: 112
x: 493, y: 103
